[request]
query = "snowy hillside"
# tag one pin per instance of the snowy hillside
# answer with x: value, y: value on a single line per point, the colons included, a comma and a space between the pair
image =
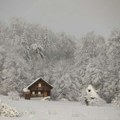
x: 60, y: 110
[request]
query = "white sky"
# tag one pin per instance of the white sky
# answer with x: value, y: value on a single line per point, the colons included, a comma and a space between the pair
x: 75, y: 17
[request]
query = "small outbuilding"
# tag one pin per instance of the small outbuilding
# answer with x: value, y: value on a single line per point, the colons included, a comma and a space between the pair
x: 38, y: 88
x: 92, y: 97
x: 92, y: 92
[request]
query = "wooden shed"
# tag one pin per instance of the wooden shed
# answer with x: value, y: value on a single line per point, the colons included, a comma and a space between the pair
x: 38, y: 88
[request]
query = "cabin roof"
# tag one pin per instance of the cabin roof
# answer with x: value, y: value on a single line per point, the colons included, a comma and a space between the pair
x: 36, y: 81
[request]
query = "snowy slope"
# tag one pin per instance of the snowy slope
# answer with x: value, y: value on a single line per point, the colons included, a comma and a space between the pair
x: 35, y: 109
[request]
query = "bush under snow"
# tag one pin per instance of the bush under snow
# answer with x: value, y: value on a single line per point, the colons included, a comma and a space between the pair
x: 116, y: 101
x: 94, y: 101
x: 7, y: 111
x: 14, y: 95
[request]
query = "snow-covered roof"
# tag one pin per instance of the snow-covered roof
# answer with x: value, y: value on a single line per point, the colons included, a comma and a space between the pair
x: 91, y: 91
x: 26, y: 90
x: 36, y: 81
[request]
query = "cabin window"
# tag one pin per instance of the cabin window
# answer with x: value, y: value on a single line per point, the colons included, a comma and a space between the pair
x: 39, y: 93
x: 33, y: 92
x: 39, y: 85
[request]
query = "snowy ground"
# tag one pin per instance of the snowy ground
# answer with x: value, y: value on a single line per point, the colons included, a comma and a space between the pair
x: 35, y: 109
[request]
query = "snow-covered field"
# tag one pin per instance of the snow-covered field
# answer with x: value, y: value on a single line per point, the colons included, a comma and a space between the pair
x: 35, y: 109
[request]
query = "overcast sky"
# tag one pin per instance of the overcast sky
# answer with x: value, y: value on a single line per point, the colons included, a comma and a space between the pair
x: 75, y: 17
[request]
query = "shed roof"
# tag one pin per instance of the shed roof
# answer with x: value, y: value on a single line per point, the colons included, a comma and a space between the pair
x: 36, y: 81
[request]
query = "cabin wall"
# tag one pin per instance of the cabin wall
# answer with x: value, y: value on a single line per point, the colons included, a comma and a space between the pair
x: 40, y: 91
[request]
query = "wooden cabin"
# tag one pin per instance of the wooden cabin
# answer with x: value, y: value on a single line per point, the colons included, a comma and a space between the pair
x: 39, y: 88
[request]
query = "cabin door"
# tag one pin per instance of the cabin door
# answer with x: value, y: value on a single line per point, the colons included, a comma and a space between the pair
x: 45, y: 94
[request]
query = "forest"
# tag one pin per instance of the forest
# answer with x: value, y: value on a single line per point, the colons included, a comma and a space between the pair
x: 29, y: 51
